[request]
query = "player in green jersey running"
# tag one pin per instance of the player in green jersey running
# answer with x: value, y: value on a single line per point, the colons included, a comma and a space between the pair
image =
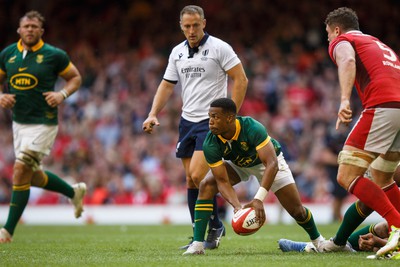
x: 237, y: 148
x: 31, y: 68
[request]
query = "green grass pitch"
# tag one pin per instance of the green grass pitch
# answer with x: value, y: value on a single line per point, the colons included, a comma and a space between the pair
x: 94, y: 245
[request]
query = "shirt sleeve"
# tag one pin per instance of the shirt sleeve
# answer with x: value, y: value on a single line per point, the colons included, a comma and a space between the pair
x: 228, y: 57
x: 212, y: 151
x: 171, y: 73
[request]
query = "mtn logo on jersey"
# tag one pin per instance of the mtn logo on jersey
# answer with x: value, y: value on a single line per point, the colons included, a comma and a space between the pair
x: 23, y: 81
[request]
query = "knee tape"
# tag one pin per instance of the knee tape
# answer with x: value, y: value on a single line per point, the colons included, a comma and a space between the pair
x: 357, y: 158
x: 383, y: 165
x: 30, y: 159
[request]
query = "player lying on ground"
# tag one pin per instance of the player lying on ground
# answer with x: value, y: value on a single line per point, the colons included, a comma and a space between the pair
x: 369, y: 238
x: 237, y: 148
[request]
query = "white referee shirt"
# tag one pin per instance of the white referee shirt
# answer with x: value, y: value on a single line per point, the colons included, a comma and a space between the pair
x: 203, y: 78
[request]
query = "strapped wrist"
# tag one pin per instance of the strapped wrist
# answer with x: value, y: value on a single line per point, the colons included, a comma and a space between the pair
x: 64, y: 93
x: 261, y: 194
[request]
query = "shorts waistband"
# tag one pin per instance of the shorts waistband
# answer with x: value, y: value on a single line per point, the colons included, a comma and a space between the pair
x: 388, y: 105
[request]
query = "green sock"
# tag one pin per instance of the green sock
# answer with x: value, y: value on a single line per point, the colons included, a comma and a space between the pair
x: 309, y: 225
x: 202, y: 213
x: 351, y: 220
x: 56, y: 184
x: 353, y: 239
x: 19, y: 200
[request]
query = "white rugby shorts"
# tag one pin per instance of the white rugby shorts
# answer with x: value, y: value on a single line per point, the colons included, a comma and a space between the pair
x: 35, y: 137
x: 283, y: 177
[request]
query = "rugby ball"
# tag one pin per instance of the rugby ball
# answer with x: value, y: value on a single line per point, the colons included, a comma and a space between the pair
x: 244, y: 222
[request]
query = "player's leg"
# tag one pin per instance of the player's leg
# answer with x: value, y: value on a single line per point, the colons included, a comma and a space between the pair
x: 202, y: 213
x: 382, y: 172
x: 50, y: 181
x: 358, y: 211
x: 26, y: 162
x: 289, y: 198
x: 28, y: 159
x: 204, y: 207
x: 370, y: 237
x: 374, y: 197
x: 367, y: 140
x: 192, y: 194
x: 190, y: 150
x: 286, y: 191
x: 198, y: 170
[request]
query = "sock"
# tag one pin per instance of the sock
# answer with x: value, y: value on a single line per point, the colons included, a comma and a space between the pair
x: 192, y: 194
x: 353, y: 239
x: 214, y: 219
x: 309, y: 225
x: 19, y: 200
x: 202, y: 213
x: 374, y: 197
x: 393, y: 193
x: 54, y: 183
x: 351, y: 220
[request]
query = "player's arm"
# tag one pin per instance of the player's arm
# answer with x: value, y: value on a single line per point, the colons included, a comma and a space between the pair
x: 164, y: 92
x: 224, y: 186
x: 345, y: 59
x: 268, y: 157
x: 240, y: 82
x: 73, y: 81
x: 6, y: 100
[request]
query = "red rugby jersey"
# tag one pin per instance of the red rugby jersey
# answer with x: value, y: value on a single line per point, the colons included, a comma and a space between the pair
x: 377, y: 68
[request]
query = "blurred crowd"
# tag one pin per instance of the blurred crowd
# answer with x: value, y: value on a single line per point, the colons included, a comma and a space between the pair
x: 121, y: 49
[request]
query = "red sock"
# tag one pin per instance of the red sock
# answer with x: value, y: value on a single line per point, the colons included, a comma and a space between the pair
x: 393, y: 193
x: 374, y: 197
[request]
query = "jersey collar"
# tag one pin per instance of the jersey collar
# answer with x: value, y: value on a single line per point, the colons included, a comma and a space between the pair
x: 235, y: 137
x: 35, y: 48
x: 203, y: 40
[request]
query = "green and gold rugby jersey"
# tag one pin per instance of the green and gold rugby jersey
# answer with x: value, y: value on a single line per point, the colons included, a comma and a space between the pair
x: 28, y: 78
x: 242, y: 148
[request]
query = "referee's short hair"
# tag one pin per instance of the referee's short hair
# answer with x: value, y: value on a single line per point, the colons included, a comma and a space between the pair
x: 192, y: 9
x: 226, y: 104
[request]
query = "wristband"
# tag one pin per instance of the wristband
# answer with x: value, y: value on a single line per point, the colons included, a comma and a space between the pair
x: 261, y: 194
x: 64, y: 93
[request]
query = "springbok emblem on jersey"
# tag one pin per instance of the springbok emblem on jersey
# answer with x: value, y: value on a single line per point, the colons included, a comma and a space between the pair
x: 12, y: 59
x: 244, y: 146
x: 39, y: 59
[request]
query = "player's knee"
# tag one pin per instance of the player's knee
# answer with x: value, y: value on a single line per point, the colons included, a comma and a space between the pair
x: 342, y: 180
x: 196, y: 179
x: 207, y: 188
x: 30, y: 159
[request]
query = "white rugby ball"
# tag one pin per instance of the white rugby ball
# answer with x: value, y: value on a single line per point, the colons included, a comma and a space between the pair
x: 244, y: 222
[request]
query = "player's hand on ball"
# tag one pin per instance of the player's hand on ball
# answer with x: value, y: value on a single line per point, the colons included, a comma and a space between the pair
x: 236, y: 209
x: 244, y: 222
x: 258, y: 207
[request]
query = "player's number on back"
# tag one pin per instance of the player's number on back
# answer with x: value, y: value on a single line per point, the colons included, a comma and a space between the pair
x: 388, y: 53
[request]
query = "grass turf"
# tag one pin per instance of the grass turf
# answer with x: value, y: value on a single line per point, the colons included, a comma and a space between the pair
x: 93, y: 245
